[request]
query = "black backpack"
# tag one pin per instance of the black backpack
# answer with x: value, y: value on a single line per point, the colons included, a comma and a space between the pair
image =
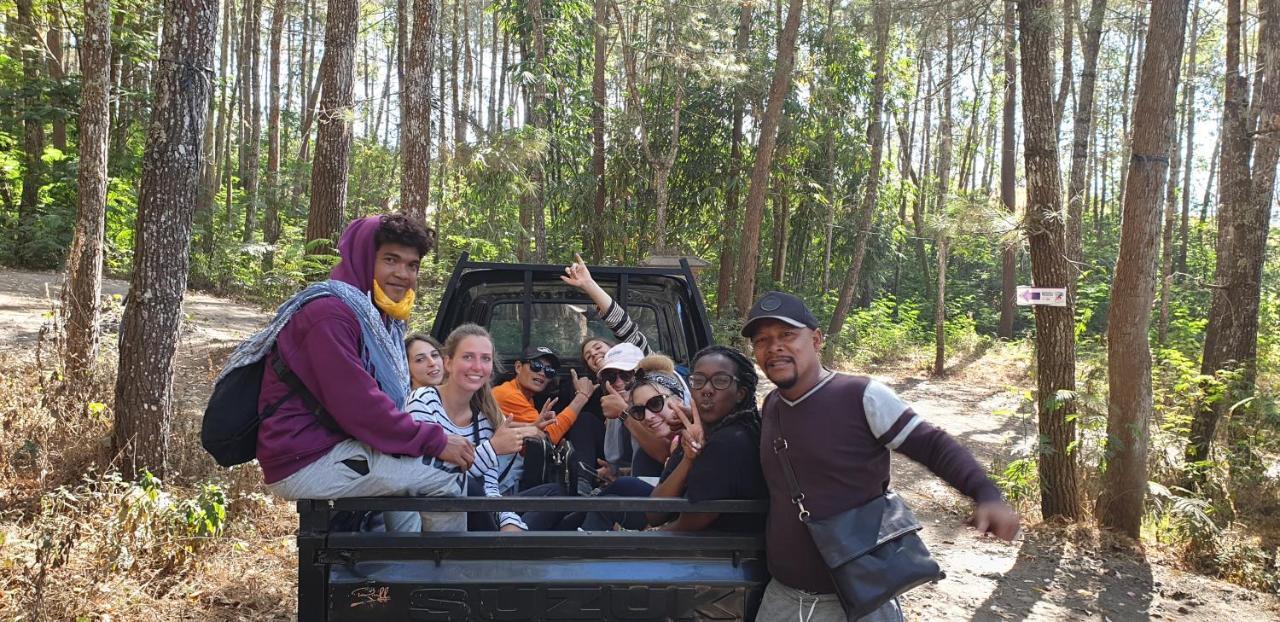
x: 229, y: 431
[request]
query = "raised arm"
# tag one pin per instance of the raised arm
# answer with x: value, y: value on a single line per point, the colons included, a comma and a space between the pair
x: 613, y: 314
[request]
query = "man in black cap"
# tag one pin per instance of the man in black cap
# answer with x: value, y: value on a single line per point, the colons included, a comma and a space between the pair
x: 839, y: 430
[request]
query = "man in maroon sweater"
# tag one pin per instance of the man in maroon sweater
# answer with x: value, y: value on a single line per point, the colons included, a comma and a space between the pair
x: 839, y: 430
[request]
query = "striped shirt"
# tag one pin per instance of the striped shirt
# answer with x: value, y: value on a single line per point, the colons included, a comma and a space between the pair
x: 424, y: 405
x: 625, y: 328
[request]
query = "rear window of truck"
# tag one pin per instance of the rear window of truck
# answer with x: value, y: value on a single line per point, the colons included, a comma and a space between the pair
x: 562, y: 326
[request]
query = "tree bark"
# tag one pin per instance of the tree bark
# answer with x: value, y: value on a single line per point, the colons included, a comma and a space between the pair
x: 170, y: 171
x: 729, y: 239
x: 1081, y: 132
x: 1188, y: 112
x: 778, y: 89
x: 415, y: 127
x: 1055, y: 326
x: 599, y: 34
x: 271, y: 223
x: 333, y: 138
x: 1008, y: 175
x: 58, y: 73
x: 1129, y: 404
x: 33, y: 131
x: 944, y: 194
x: 250, y: 103
x: 83, y: 288
x: 1246, y: 194
x: 870, y: 195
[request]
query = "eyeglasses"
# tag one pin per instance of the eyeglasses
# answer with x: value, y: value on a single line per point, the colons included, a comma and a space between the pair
x: 542, y: 368
x: 609, y: 375
x: 720, y: 381
x: 653, y: 405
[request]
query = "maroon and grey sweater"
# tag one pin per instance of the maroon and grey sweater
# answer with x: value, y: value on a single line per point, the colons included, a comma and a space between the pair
x: 839, y: 435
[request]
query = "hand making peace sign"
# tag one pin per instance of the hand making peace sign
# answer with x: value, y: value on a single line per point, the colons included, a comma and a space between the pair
x: 692, y: 438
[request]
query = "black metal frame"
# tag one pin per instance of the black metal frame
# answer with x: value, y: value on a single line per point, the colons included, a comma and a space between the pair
x: 320, y: 549
x: 622, y: 273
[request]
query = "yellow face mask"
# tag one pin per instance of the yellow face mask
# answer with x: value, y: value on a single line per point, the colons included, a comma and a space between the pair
x: 398, y: 310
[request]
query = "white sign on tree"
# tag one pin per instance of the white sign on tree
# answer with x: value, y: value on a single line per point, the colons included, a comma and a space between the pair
x: 1050, y: 296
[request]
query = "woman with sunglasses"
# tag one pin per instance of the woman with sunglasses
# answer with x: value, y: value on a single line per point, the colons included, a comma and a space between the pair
x: 717, y: 453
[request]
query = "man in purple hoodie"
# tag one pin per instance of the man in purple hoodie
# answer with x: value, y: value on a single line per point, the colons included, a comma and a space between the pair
x: 342, y: 339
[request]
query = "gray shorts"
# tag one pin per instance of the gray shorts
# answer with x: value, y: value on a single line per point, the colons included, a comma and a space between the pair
x: 387, y: 476
x: 783, y: 603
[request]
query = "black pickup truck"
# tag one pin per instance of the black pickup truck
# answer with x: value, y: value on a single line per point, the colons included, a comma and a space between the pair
x: 547, y: 576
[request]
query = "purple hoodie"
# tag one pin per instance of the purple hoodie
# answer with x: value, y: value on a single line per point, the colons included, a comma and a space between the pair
x: 321, y: 344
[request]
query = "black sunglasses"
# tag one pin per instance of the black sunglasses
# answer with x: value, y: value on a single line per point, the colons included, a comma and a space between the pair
x: 653, y: 405
x: 720, y: 381
x: 609, y: 375
x: 544, y: 368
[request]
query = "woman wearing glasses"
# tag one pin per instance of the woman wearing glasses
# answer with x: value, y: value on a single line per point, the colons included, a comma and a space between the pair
x: 716, y: 455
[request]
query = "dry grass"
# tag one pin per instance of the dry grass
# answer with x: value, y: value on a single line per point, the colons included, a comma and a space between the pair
x: 79, y: 541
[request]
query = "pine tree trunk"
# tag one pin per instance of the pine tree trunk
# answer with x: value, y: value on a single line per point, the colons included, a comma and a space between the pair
x: 1246, y: 195
x: 83, y: 287
x: 871, y: 186
x: 729, y: 239
x: 58, y: 73
x: 170, y: 172
x: 538, y: 106
x: 32, y: 134
x: 1055, y: 326
x: 1008, y: 175
x: 333, y: 138
x: 415, y: 127
x: 271, y: 223
x: 599, y: 30
x: 1081, y: 132
x: 251, y: 147
x: 213, y: 169
x: 1129, y: 404
x: 778, y: 90
x: 1189, y: 112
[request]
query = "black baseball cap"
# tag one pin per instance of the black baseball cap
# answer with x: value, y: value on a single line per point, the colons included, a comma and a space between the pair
x: 533, y: 353
x: 779, y: 306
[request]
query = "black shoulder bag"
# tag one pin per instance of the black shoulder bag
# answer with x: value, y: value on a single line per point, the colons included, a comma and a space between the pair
x: 873, y: 551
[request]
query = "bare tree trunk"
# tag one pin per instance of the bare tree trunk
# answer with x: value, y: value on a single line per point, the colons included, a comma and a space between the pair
x: 1081, y: 132
x: 211, y: 178
x: 764, y: 157
x: 33, y: 131
x: 1064, y: 76
x: 729, y: 239
x: 83, y: 287
x: 538, y: 103
x: 1248, y: 170
x: 1008, y: 175
x: 1166, y: 234
x: 871, y: 186
x: 944, y: 195
x: 1188, y: 112
x: 251, y: 146
x: 1055, y: 326
x: 600, y: 31
x: 170, y: 172
x: 271, y: 223
x: 415, y: 127
x: 333, y: 138
x: 57, y: 72
x: 1129, y: 405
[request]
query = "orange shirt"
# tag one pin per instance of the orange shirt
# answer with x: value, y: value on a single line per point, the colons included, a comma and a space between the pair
x: 512, y: 401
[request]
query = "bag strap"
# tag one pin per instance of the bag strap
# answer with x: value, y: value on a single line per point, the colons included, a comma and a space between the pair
x: 297, y: 387
x: 780, y: 449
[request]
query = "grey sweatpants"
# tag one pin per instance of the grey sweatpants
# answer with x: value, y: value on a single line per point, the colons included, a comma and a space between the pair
x: 783, y: 603
x: 388, y: 476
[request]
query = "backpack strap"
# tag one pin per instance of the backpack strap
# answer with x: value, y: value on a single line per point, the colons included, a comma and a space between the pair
x: 296, y: 387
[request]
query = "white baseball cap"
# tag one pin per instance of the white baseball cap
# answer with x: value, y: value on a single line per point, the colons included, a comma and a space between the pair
x: 624, y: 356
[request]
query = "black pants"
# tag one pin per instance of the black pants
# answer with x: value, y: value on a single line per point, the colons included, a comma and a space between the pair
x: 488, y: 521
x: 622, y: 487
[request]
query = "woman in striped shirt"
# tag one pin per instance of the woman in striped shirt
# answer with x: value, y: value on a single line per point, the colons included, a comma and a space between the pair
x: 464, y: 405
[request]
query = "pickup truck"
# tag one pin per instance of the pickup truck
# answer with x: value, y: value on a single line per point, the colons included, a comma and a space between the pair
x: 550, y: 576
